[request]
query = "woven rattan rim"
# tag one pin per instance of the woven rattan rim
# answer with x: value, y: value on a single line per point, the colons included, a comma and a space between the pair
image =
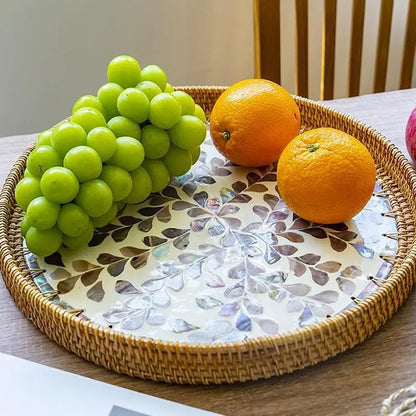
x: 241, y: 361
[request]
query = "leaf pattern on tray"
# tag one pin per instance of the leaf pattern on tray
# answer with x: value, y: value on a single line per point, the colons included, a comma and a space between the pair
x: 217, y: 256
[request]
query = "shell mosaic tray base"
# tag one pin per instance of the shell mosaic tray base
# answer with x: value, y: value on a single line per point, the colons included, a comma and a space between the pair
x: 215, y: 280
x: 219, y: 257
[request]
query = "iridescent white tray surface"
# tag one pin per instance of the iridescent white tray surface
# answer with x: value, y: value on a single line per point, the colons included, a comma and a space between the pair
x: 219, y: 257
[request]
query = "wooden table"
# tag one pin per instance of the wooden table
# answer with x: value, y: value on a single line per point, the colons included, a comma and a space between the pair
x: 353, y: 383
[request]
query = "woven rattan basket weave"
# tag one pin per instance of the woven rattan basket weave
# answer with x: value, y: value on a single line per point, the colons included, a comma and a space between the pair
x: 229, y: 362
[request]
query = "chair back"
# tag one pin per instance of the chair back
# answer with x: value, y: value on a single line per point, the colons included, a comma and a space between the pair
x: 267, y: 41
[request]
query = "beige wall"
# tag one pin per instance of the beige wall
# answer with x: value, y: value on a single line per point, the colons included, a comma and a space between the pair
x: 53, y: 51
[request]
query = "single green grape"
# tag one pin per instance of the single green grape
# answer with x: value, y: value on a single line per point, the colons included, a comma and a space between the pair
x: 84, y: 162
x: 133, y: 104
x: 169, y: 88
x: 186, y: 101
x: 155, y: 141
x: 103, y: 141
x: 129, y: 153
x: 44, y: 138
x: 89, y: 101
x: 142, y: 186
x: 73, y: 220
x: 59, y: 185
x: 195, y: 153
x: 155, y: 74
x: 124, y: 70
x: 200, y: 113
x: 43, y: 243
x: 123, y: 126
x: 149, y: 88
x: 106, y: 218
x: 94, y: 197
x: 177, y: 160
x: 42, y: 213
x: 80, y: 240
x: 188, y: 133
x: 158, y: 172
x: 41, y: 159
x: 88, y: 118
x: 165, y: 111
x: 27, y: 174
x: 108, y: 95
x: 25, y: 225
x: 119, y: 181
x: 27, y: 190
x: 66, y: 136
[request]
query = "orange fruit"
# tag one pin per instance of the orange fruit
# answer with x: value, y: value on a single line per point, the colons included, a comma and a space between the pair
x: 326, y: 176
x: 252, y: 121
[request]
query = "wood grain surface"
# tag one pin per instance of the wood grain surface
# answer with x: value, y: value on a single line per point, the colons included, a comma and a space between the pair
x: 353, y: 383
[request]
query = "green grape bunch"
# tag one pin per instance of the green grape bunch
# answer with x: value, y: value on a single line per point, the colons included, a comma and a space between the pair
x: 118, y: 147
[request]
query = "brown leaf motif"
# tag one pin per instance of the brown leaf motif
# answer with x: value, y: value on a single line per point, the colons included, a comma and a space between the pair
x: 319, y: 277
x: 299, y: 224
x: 140, y: 261
x: 60, y: 273
x: 164, y: 215
x: 345, y: 235
x: 329, y: 266
x: 341, y: 226
x: 270, y: 177
x: 159, y: 200
x: 83, y: 265
x: 96, y: 293
x: 116, y: 268
x: 286, y: 250
x: 146, y: 225
x: 337, y: 244
x: 293, y: 237
x: 126, y: 288
x: 173, y: 232
x: 89, y: 277
x: 129, y: 220
x: 55, y: 259
x: 171, y: 192
x: 309, y: 258
x: 65, y: 286
x: 149, y: 211
x: 239, y: 186
x: 107, y: 258
x: 258, y: 187
x: 242, y: 198
x: 296, y: 267
x: 130, y: 251
x: 97, y: 239
x: 252, y: 178
x: 271, y: 200
x: 315, y: 232
x: 153, y: 241
x: 120, y: 234
x: 181, y: 205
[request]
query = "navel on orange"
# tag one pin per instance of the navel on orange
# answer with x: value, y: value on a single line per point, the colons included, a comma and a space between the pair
x: 326, y: 176
x: 252, y: 122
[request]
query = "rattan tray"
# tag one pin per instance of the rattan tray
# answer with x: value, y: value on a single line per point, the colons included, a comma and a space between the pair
x: 227, y: 362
